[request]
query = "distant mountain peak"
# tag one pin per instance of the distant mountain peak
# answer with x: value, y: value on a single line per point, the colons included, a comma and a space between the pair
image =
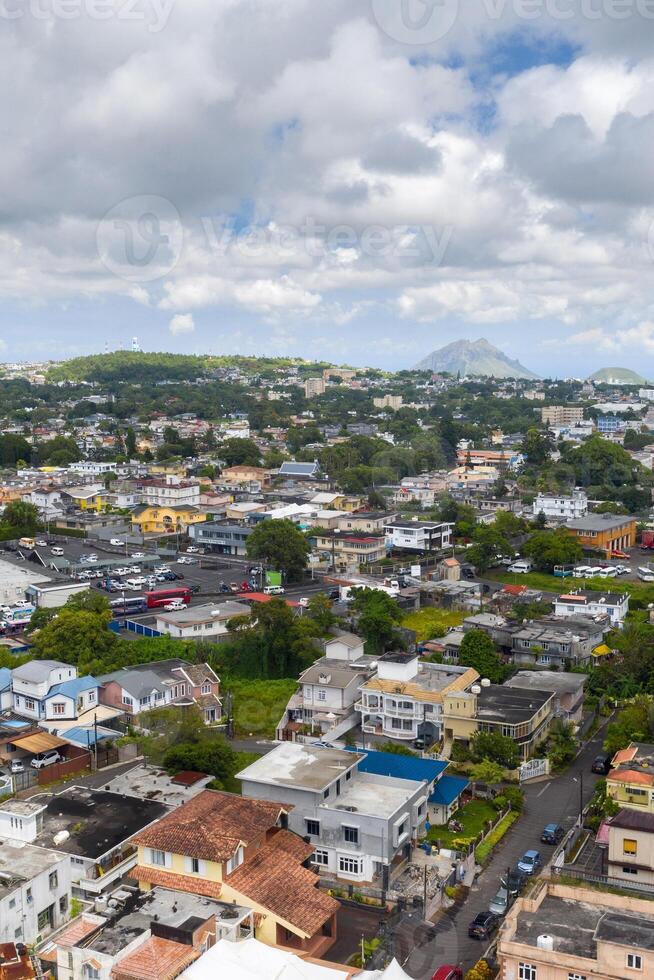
x: 474, y: 358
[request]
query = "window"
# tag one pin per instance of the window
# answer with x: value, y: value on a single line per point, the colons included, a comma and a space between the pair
x: 629, y: 846
x: 43, y: 918
x: 18, y: 932
x: 91, y: 695
x: 158, y: 858
x: 527, y: 972
x: 350, y: 834
x: 576, y: 976
x: 63, y: 903
x: 91, y: 972
x: 321, y: 694
x: 53, y: 880
x: 12, y: 903
x: 30, y: 704
x: 195, y: 866
x: 349, y: 866
x: 325, y: 794
x: 630, y: 871
x: 321, y: 857
x: 634, y: 961
x: 206, y: 688
x: 58, y: 708
x: 313, y: 828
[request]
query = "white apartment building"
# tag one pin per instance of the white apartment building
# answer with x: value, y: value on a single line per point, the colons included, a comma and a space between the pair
x: 200, y: 622
x: 418, y: 535
x: 171, y: 492
x: 561, y: 507
x: 405, y: 699
x: 614, y: 605
x: 35, y: 890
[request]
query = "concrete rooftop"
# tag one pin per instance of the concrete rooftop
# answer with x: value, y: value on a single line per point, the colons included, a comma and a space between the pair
x: 296, y: 765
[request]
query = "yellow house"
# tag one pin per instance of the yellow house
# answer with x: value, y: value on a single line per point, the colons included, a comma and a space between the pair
x: 155, y: 519
x: 521, y: 715
x: 94, y: 498
x: 167, y: 469
x: 631, y: 782
x: 221, y: 845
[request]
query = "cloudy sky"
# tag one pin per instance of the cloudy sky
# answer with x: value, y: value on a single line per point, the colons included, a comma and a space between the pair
x: 360, y: 180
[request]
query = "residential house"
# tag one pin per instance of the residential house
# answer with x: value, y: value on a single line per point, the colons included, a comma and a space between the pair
x: 630, y: 853
x: 32, y: 682
x: 35, y: 889
x: 300, y: 471
x: 349, y: 550
x: 92, y: 497
x: 524, y: 716
x: 631, y: 780
x: 604, y: 532
x: 405, y: 699
x: 245, y: 478
x: 162, y: 684
x: 361, y: 825
x: 561, y: 507
x: 6, y: 695
x: 370, y: 521
x: 614, y: 605
x: 165, y: 519
x: 501, y: 458
x: 207, y: 621
x: 324, y: 701
x: 170, y: 492
x: 225, y: 846
x: 567, y: 688
x: 563, y: 932
x: 419, y: 536
x: 89, y: 827
x: 552, y: 641
x: 145, y: 936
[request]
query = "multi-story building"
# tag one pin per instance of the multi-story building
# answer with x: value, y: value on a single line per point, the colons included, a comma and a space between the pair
x: 521, y: 715
x: 405, y: 699
x: 165, y: 519
x: 225, y: 846
x: 370, y: 521
x: 562, y: 414
x: 630, y: 854
x: 501, y: 458
x: 222, y: 537
x: 550, y: 641
x: 604, y: 532
x: 419, y: 536
x: 349, y: 550
x: 327, y: 691
x: 314, y: 387
x: 35, y: 890
x: 563, y: 932
x: 48, y: 690
x: 568, y: 690
x: 360, y: 823
x: 614, y: 605
x: 164, y: 683
x: 170, y: 492
x: 559, y: 507
x: 393, y: 402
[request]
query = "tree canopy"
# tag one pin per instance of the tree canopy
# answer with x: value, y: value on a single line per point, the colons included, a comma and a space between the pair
x: 478, y: 651
x: 281, y: 545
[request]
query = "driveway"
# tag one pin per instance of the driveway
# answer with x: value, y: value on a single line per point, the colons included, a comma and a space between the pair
x: 419, y: 949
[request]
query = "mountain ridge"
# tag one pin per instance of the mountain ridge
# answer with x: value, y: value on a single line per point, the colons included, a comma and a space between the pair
x: 475, y: 358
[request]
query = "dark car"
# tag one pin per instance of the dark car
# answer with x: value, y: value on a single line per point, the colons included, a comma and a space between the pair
x: 601, y: 764
x: 515, y: 883
x: 483, y: 926
x: 334, y: 594
x: 552, y: 834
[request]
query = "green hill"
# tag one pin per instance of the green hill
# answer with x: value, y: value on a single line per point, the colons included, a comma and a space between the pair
x: 617, y: 376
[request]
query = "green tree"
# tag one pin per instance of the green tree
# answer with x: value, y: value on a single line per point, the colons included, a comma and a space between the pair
x: 549, y: 548
x: 76, y: 637
x: 377, y: 616
x: 478, y: 651
x: 22, y: 515
x: 130, y: 442
x: 212, y: 756
x: 536, y: 446
x: 281, y: 545
x: 320, y: 611
x: 240, y: 452
x: 496, y: 747
x: 633, y: 724
x: 561, y: 744
x: 488, y: 772
x: 14, y: 449
x: 270, y: 643
x: 488, y: 544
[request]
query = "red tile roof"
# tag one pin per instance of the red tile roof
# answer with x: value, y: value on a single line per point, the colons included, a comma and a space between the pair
x: 155, y: 959
x: 180, y: 883
x: 275, y: 879
x: 631, y: 776
x: 188, y: 778
x: 211, y: 826
x: 77, y: 931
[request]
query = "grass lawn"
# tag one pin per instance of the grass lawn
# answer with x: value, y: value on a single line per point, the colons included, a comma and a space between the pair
x: 258, y: 705
x: 429, y: 623
x: 538, y: 580
x: 473, y: 817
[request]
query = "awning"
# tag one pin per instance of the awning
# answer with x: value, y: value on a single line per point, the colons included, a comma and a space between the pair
x: 601, y: 651
x: 39, y: 742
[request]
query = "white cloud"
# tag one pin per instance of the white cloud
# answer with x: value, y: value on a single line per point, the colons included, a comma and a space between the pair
x: 181, y: 323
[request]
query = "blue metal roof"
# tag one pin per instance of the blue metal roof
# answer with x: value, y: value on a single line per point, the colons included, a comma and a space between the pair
x: 86, y: 736
x: 298, y: 469
x: 401, y: 766
x: 448, y: 789
x: 5, y: 678
x: 72, y: 688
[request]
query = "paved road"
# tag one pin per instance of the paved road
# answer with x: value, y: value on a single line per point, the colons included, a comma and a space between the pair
x: 421, y: 950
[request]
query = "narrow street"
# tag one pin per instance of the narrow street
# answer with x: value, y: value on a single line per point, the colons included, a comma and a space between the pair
x: 419, y: 949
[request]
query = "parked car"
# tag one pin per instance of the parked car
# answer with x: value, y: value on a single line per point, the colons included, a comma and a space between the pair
x: 223, y: 587
x: 334, y: 594
x: 552, y: 834
x: 233, y: 587
x: 175, y: 606
x: 44, y: 759
x: 448, y: 973
x: 192, y: 550
x: 304, y: 601
x: 483, y: 926
x: 57, y: 552
x: 17, y: 766
x: 530, y: 862
x: 117, y: 543
x: 41, y: 543
x: 274, y: 590
x: 601, y: 764
x: 499, y: 904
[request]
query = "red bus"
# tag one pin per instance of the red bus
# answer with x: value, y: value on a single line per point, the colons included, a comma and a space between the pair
x: 163, y: 596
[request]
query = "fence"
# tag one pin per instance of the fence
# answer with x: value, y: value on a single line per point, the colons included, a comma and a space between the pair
x: 132, y: 626
x: 59, y: 770
x: 581, y: 875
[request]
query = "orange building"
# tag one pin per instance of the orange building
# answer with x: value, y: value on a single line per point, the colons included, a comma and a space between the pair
x: 604, y: 532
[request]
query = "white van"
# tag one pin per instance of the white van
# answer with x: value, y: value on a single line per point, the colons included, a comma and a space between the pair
x: 521, y: 567
x: 274, y: 590
x: 57, y: 552
x: 595, y: 571
x: 135, y: 584
x: 581, y: 571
